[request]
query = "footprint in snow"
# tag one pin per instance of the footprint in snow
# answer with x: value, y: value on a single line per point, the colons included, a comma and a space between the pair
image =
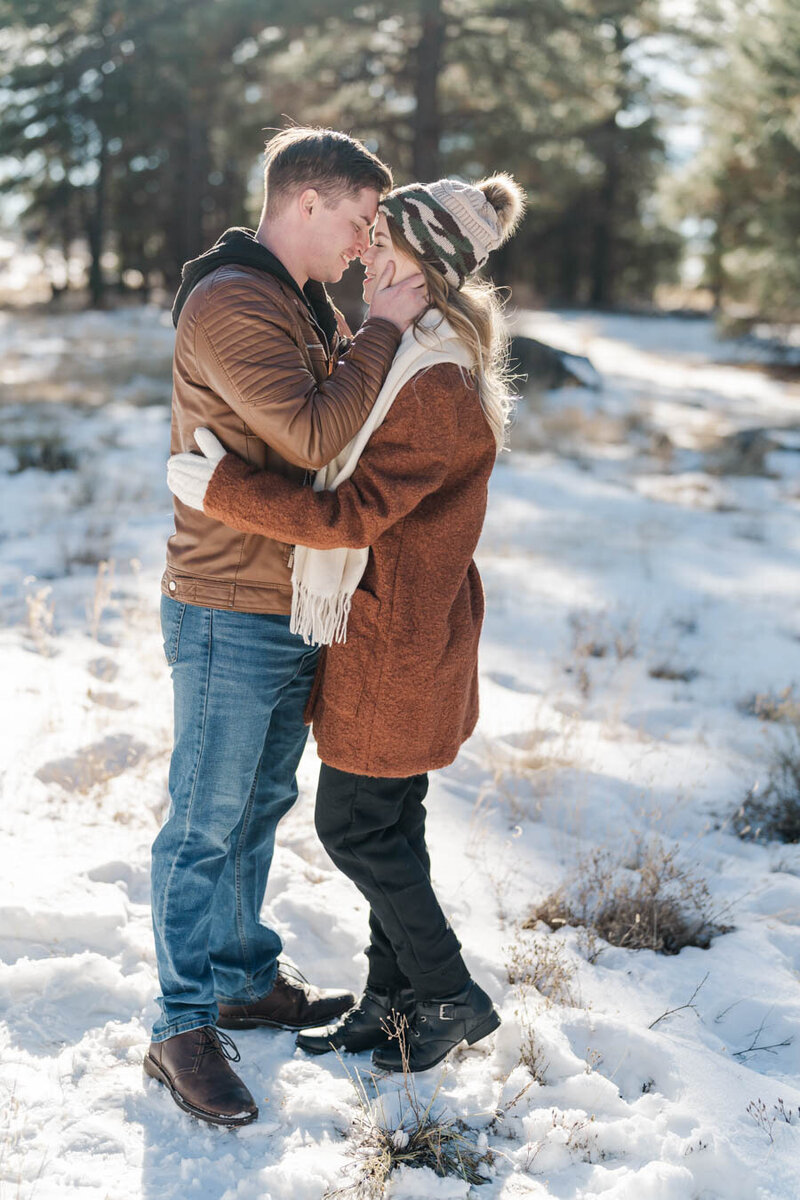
x: 110, y: 700
x: 134, y: 880
x: 511, y: 682
x: 104, y: 669
x: 93, y: 764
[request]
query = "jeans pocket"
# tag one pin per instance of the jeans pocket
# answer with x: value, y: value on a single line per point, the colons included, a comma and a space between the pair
x: 171, y: 620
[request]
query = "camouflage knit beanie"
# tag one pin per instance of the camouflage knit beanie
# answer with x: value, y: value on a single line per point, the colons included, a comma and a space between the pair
x: 452, y: 225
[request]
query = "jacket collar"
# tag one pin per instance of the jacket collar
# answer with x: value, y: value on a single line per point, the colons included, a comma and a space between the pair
x: 239, y: 245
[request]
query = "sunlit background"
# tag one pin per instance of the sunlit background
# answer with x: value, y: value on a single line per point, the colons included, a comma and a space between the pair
x: 638, y: 750
x: 659, y: 142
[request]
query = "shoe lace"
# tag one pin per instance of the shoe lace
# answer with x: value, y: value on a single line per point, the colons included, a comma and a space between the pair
x: 290, y: 972
x: 217, y: 1042
x: 352, y: 1013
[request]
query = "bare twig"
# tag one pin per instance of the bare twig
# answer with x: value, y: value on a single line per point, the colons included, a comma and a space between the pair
x: 689, y: 1004
x: 754, y: 1046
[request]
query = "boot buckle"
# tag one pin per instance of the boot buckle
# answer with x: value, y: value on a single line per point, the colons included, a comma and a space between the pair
x: 444, y: 1014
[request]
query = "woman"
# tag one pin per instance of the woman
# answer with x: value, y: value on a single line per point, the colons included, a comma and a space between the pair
x: 384, y: 560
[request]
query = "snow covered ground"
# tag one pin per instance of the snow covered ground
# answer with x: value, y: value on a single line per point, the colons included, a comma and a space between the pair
x: 642, y: 588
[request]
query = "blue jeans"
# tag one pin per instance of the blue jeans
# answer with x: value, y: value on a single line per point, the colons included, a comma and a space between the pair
x: 241, y: 681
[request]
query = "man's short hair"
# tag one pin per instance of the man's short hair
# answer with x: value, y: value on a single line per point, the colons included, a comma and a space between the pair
x: 333, y: 163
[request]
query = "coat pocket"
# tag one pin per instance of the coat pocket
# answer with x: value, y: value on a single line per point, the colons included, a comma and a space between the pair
x: 350, y: 668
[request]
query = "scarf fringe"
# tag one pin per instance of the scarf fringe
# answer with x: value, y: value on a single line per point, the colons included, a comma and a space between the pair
x: 319, y: 619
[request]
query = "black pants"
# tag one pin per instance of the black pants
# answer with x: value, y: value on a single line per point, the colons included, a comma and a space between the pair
x: 374, y: 830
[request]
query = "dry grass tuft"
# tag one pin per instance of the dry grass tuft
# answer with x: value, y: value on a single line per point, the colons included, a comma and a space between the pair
x: 531, y: 1051
x: 524, y: 765
x: 576, y: 1134
x: 599, y: 635
x: 773, y: 814
x: 650, y: 902
x: 422, y: 1137
x: 672, y: 673
x: 40, y: 613
x: 103, y: 588
x: 544, y: 965
x: 780, y: 707
x: 767, y: 1119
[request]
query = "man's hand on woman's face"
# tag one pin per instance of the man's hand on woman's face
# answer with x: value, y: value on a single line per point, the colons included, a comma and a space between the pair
x: 188, y: 475
x: 400, y: 303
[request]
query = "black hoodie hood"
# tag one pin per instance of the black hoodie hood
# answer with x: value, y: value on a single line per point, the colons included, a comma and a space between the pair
x: 238, y: 245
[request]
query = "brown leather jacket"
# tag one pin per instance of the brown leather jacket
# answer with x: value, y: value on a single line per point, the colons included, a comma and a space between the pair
x: 252, y: 364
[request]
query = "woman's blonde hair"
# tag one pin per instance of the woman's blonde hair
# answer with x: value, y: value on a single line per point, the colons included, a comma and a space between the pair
x: 475, y: 310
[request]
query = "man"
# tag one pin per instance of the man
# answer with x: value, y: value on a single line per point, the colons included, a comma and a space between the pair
x: 261, y: 359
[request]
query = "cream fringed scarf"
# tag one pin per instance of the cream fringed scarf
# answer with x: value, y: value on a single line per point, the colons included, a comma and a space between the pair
x: 323, y: 581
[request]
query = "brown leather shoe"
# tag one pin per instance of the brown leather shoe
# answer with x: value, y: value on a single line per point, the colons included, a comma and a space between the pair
x: 293, y: 1003
x: 194, y: 1066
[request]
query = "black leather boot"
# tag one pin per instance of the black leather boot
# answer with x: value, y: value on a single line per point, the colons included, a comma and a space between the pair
x: 362, y: 1028
x: 436, y: 1026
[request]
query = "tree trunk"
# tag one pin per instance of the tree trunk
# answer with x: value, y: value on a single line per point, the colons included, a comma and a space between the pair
x: 186, y: 224
x: 95, y: 232
x: 601, y: 264
x: 714, y: 268
x: 427, y: 119
x: 569, y: 266
x: 196, y: 178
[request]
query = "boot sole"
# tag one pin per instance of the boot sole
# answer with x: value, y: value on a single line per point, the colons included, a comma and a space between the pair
x: 487, y: 1026
x: 316, y: 1050
x: 257, y: 1023
x: 330, y: 1048
x: 265, y: 1023
x: 491, y: 1023
x: 152, y: 1069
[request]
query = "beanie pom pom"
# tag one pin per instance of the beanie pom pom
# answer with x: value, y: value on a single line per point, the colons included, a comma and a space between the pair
x: 506, y: 198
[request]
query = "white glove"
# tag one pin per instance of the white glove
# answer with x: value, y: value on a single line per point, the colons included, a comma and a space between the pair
x: 188, y: 475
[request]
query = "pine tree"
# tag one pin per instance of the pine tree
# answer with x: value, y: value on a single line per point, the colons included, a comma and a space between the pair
x: 138, y: 123
x: 746, y: 181
x: 131, y: 123
x: 549, y: 91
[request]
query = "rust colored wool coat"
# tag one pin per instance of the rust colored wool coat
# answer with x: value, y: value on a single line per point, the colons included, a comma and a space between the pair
x: 401, y: 695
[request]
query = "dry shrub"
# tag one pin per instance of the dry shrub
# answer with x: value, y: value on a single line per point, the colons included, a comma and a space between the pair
x: 544, y: 749
x: 422, y: 1137
x: 577, y: 1135
x: 773, y: 814
x: 40, y: 619
x: 597, y: 635
x: 103, y: 588
x: 767, y: 1119
x: 531, y: 1052
x: 781, y: 707
x: 650, y: 902
x: 542, y: 964
x: 524, y: 765
x: 672, y: 673
x: 41, y: 452
x: 531, y: 1055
